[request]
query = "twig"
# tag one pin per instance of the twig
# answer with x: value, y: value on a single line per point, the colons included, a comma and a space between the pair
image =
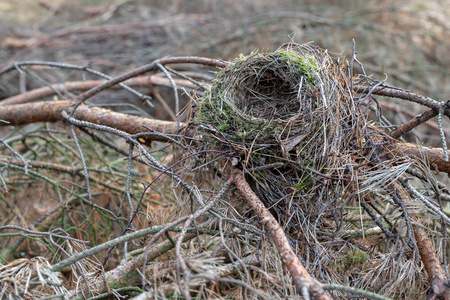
x: 141, y: 149
x: 163, y: 102
x: 343, y: 288
x: 413, y: 123
x: 175, y: 92
x: 441, y: 132
x: 49, y: 234
x: 181, y: 264
x: 431, y: 206
x: 47, y: 91
x: 144, y: 69
x: 14, y: 152
x: 17, y: 66
x: 401, y: 94
x: 102, y: 247
x: 129, y: 268
x: 83, y: 162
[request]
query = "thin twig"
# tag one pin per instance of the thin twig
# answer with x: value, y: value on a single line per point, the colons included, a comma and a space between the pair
x: 175, y: 92
x: 83, y: 162
x: 49, y: 234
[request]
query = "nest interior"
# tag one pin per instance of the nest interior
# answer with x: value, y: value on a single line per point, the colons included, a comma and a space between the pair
x: 315, y: 157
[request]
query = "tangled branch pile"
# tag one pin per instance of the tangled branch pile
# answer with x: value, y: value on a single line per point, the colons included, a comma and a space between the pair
x: 345, y: 205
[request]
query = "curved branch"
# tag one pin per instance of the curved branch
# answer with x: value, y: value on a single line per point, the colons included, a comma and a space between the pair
x: 47, y: 91
x: 300, y: 275
x: 150, y: 67
x: 401, y: 94
x: 51, y: 112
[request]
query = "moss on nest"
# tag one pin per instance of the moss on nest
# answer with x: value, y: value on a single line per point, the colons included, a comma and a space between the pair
x: 260, y: 94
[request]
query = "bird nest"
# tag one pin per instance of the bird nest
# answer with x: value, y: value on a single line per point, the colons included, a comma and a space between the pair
x: 312, y: 153
x: 297, y: 130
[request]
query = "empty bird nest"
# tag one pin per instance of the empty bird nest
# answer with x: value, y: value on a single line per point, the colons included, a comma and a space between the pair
x: 356, y: 208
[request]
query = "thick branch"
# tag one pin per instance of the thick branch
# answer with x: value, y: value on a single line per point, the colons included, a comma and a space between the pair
x: 413, y: 123
x: 435, y: 156
x: 401, y: 94
x: 51, y: 112
x: 436, y: 274
x: 47, y: 91
x: 298, y: 272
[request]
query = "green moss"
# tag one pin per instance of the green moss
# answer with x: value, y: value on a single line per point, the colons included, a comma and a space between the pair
x: 350, y: 259
x: 355, y: 257
x: 305, y: 183
x: 307, y: 65
x: 290, y: 66
x: 217, y: 112
x: 258, y: 176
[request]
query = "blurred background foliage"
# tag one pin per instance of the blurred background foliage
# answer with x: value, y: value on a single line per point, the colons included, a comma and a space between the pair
x: 408, y: 40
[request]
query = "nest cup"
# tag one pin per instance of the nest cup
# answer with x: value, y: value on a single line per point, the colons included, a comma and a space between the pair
x: 261, y: 97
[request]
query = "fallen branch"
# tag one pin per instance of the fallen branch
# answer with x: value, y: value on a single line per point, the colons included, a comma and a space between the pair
x: 436, y: 274
x: 435, y: 156
x: 299, y: 274
x: 147, y: 68
x: 413, y: 123
x: 402, y: 94
x: 51, y: 112
x: 126, y: 274
x: 48, y: 91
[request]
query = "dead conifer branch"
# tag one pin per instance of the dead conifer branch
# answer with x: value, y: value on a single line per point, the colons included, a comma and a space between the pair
x: 401, y: 94
x: 435, y: 156
x: 147, y: 68
x: 51, y: 112
x: 413, y: 123
x: 437, y: 278
x: 126, y: 274
x: 48, y: 91
x: 300, y: 275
